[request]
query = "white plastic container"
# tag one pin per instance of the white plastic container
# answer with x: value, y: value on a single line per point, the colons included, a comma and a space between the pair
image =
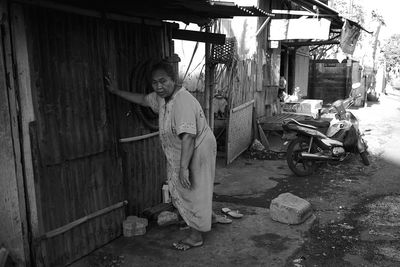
x: 165, y: 194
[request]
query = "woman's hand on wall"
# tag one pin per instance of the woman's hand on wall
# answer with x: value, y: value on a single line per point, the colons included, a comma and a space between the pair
x: 184, y: 177
x: 112, y: 87
x: 110, y: 83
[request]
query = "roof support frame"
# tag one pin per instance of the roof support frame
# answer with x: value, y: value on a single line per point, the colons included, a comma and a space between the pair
x: 330, y: 41
x: 205, y: 37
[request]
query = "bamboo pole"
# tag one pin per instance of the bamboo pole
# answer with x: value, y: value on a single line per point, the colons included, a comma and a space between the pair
x: 137, y: 138
x: 207, y: 79
x: 211, y: 88
x: 69, y: 226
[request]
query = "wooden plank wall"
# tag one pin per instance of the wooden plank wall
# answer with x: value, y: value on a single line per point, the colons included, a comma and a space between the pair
x: 271, y: 61
x: 239, y: 130
x: 79, y: 165
x: 301, y: 70
x: 137, y: 47
x: 327, y: 80
x: 241, y: 81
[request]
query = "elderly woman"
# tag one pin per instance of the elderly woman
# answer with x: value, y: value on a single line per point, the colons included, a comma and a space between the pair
x: 189, y: 146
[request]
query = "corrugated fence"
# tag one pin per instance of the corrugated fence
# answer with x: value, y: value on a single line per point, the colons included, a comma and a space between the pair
x: 80, y: 167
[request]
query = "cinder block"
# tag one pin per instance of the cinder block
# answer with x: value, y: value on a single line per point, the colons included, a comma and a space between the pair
x: 134, y: 225
x: 290, y: 209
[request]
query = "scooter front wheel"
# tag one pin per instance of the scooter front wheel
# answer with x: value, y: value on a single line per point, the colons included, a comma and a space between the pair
x: 299, y: 165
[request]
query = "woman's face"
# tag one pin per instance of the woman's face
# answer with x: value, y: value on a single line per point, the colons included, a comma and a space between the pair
x: 162, y: 84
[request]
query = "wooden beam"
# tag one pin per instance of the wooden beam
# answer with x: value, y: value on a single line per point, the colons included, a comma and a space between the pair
x: 91, y: 12
x: 205, y: 37
x: 263, y: 26
x: 242, y: 106
x: 309, y: 43
x: 293, y: 12
x: 299, y: 13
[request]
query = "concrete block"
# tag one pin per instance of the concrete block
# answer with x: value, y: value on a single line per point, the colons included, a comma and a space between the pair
x: 290, y: 209
x: 134, y: 225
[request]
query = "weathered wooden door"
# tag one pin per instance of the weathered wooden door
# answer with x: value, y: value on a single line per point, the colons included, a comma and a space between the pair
x: 301, y: 70
x: 327, y: 80
x: 81, y: 175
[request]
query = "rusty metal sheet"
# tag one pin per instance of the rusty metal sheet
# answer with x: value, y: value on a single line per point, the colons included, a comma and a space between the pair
x: 239, y: 130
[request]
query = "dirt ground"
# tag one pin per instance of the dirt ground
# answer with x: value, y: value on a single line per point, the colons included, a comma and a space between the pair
x: 356, y: 208
x: 359, y: 209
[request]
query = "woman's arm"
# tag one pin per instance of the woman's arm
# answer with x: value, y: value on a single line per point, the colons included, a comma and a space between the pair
x: 187, y: 150
x: 131, y: 97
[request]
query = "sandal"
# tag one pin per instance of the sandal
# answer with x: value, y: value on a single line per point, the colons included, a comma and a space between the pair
x: 183, y: 246
x: 234, y: 214
x: 221, y: 219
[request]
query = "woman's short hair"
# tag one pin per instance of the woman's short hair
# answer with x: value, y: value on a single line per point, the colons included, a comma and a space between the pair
x: 165, y: 66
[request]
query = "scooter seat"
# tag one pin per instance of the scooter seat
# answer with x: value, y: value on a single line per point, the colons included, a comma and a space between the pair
x: 290, y: 120
x: 318, y: 124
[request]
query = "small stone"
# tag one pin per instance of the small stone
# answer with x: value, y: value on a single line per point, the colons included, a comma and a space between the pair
x: 257, y: 146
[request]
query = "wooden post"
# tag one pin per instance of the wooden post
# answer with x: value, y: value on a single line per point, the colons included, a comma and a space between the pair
x: 211, y: 86
x: 13, y: 210
x: 311, y: 82
x: 207, y: 80
x: 286, y: 71
x: 349, y: 68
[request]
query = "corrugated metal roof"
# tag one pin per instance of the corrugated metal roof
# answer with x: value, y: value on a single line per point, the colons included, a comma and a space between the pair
x: 195, y: 11
x: 336, y: 19
x: 258, y: 11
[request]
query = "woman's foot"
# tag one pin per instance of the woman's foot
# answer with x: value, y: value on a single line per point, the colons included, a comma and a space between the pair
x: 184, y: 245
x: 194, y: 236
x: 194, y: 239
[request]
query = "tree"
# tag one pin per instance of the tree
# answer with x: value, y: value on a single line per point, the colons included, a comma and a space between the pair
x: 391, y: 52
x: 348, y: 9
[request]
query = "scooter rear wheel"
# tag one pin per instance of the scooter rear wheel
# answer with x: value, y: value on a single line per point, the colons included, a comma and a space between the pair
x: 298, y: 165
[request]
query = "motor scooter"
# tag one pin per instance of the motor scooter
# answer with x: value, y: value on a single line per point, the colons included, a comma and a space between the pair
x: 313, y: 141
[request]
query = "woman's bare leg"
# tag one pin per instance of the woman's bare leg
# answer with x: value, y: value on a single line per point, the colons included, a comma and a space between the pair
x: 195, y: 236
